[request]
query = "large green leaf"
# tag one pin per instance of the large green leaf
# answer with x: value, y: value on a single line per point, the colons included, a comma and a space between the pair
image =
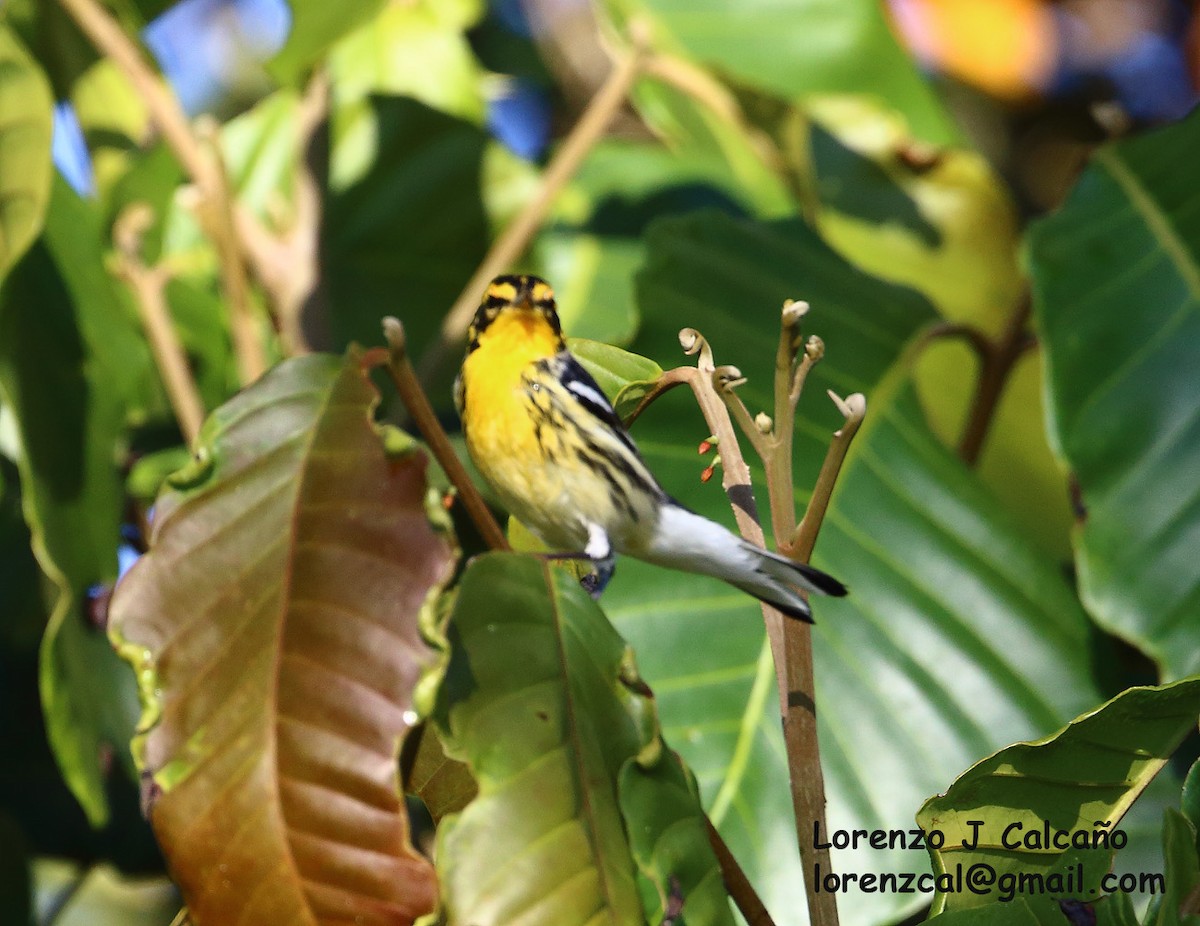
x: 958, y: 636
x: 596, y: 244
x: 26, y: 122
x: 575, y: 783
x: 798, y: 47
x: 937, y: 219
x: 49, y: 32
x: 413, y: 49
x: 1178, y: 904
x: 316, y: 26
x: 71, y: 363
x: 273, y: 626
x: 113, y: 118
x: 1006, y: 811
x: 405, y: 236
x: 1117, y: 283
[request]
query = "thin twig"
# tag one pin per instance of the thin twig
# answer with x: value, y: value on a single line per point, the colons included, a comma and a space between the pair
x: 516, y: 237
x: 701, y: 86
x: 303, y: 297
x: 104, y: 32
x: 979, y: 342
x: 997, y: 364
x: 740, y: 890
x: 415, y: 401
x: 244, y: 332
x: 854, y: 409
x: 262, y: 250
x: 790, y: 640
x: 149, y: 290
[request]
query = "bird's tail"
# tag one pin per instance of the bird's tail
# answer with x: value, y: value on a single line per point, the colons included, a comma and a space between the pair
x: 776, y: 579
x: 686, y: 540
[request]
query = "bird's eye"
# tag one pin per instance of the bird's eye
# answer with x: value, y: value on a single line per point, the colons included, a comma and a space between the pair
x: 536, y: 387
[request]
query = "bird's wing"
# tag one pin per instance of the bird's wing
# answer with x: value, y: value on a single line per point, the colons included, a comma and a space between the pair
x: 584, y: 389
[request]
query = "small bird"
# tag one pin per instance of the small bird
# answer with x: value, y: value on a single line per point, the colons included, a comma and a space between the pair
x: 543, y: 435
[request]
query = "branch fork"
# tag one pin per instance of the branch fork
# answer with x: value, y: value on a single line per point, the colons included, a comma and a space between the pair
x: 771, y: 436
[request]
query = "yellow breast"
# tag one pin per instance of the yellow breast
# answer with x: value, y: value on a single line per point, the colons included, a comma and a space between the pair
x: 501, y: 434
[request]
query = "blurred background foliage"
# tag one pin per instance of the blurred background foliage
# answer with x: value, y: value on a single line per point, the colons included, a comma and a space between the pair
x: 883, y: 161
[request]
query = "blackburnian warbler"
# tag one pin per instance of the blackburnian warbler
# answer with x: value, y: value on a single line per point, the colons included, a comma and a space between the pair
x: 543, y: 435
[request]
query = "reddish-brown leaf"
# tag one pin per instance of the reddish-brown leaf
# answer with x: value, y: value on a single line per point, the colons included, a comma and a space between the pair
x: 274, y: 627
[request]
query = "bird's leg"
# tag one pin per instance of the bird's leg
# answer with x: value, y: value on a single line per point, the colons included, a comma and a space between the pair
x: 599, y: 550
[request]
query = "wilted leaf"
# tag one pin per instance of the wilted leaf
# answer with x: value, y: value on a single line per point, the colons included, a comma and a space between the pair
x: 26, y: 121
x: 550, y: 722
x: 1117, y: 284
x: 444, y: 784
x: 1017, y: 793
x: 273, y: 625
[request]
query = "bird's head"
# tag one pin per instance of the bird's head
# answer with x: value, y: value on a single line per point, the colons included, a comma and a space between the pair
x: 517, y: 306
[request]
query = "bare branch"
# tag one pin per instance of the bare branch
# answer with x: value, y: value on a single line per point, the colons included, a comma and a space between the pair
x: 422, y: 414
x: 149, y: 285
x: 854, y: 409
x: 248, y: 346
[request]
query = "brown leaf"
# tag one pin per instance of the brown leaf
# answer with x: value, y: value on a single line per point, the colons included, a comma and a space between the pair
x: 274, y: 627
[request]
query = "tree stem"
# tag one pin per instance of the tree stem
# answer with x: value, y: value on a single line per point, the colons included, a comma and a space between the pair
x: 422, y: 414
x: 997, y: 362
x: 149, y: 285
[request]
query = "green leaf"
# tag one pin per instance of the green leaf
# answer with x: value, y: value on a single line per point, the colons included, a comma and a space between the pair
x: 1116, y: 276
x: 1190, y: 802
x: 48, y: 31
x: 273, y: 626
x: 26, y: 122
x: 794, y: 48
x: 405, y: 236
x: 725, y: 146
x: 316, y: 26
x: 1025, y: 794
x: 623, y: 376
x: 412, y: 49
x: 100, y: 896
x: 597, y: 243
x: 1181, y: 902
x: 661, y: 800
x: 562, y: 737
x: 23, y: 613
x: 957, y: 631
x: 70, y: 364
x: 1014, y: 913
x: 113, y: 118
x: 939, y: 220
